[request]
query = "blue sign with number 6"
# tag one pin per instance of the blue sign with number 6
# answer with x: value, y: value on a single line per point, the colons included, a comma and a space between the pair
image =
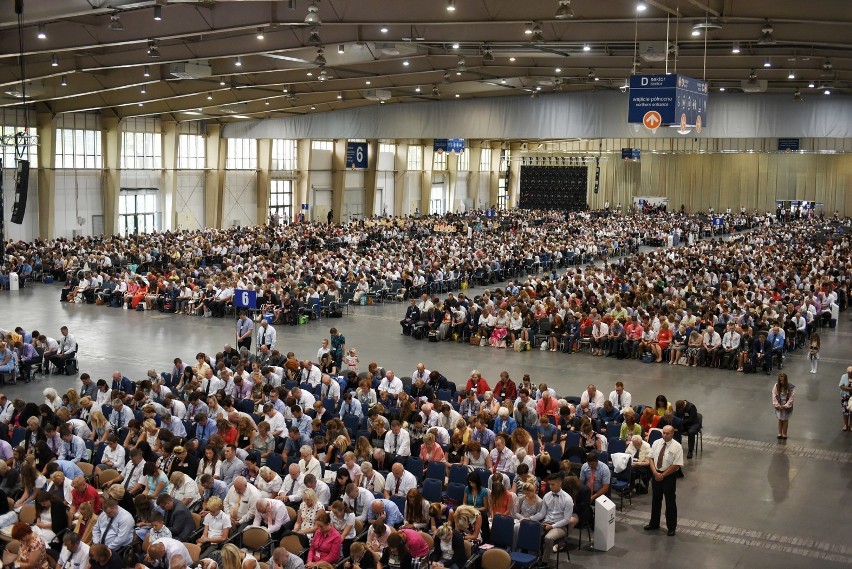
x: 245, y: 299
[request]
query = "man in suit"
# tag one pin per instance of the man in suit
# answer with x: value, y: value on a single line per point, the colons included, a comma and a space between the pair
x: 763, y: 353
x: 688, y: 414
x: 665, y: 461
x: 412, y: 317
x: 178, y: 517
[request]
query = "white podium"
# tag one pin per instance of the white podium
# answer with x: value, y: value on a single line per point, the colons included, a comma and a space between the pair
x: 14, y: 281
x: 604, y: 524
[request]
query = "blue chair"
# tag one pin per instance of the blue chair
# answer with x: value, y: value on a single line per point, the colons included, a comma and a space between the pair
x: 436, y: 471
x: 621, y: 483
x: 603, y: 456
x: 529, y: 544
x: 616, y: 445
x: 167, y: 378
x: 19, y: 434
x: 484, y: 476
x: 503, y: 532
x: 97, y: 456
x: 400, y: 503
x: 352, y: 422
x: 433, y: 490
x: 275, y: 462
x: 613, y: 430
x: 555, y: 451
x: 244, y: 406
x: 329, y: 405
x: 445, y: 395
x: 455, y: 494
x: 657, y: 434
x: 415, y: 466
x: 572, y: 439
x: 105, y: 409
x: 458, y: 474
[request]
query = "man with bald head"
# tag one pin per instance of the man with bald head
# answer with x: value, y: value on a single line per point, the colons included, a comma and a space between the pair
x: 292, y: 485
x: 167, y: 552
x: 384, y: 511
x: 273, y: 515
x: 240, y: 503
x: 665, y: 460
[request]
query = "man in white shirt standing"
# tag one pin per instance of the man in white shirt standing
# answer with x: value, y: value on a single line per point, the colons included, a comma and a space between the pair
x: 620, y: 398
x: 665, y: 460
x: 266, y: 335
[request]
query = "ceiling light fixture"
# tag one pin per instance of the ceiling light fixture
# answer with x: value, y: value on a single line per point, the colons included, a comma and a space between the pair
x: 461, y: 66
x: 320, y: 60
x: 503, y: 81
x: 417, y: 89
x: 115, y: 23
x: 286, y: 89
x: 314, y: 37
x: 153, y: 50
x: 811, y: 85
x: 435, y: 92
x: 792, y: 75
x: 455, y: 45
x: 313, y: 18
x: 222, y: 81
x: 266, y: 102
x: 797, y: 96
x: 766, y: 37
x: 313, y: 108
x: 827, y: 91
x: 340, y: 94
x: 158, y: 13
x: 451, y: 5
x: 141, y: 104
x: 310, y: 74
x: 587, y: 47
x: 564, y: 12
x: 323, y: 75
x: 457, y: 95
x: 42, y: 35
x: 722, y: 89
x: 511, y: 59
x: 238, y: 62
x: 54, y: 61
x: 696, y: 30
x: 767, y: 63
x: 143, y: 90
x: 64, y: 81
x: 341, y: 49
x: 537, y: 36
x: 260, y: 35
x: 146, y: 72
x: 209, y: 96
x: 383, y: 29
x: 736, y: 47
x: 488, y: 56
x: 558, y: 70
x: 368, y: 82
x: 529, y: 29
x: 406, y: 63
x: 641, y: 7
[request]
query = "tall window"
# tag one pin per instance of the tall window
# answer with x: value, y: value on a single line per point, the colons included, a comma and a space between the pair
x: 137, y: 211
x: 285, y: 154
x: 388, y: 148
x: 485, y: 160
x: 464, y: 161
x: 191, y: 152
x: 439, y: 161
x: 78, y: 148
x: 505, y: 158
x: 7, y: 153
x: 281, y: 200
x: 502, y: 194
x: 242, y: 154
x: 415, y: 157
x: 141, y: 150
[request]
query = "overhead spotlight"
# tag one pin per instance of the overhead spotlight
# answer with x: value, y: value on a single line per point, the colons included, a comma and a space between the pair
x: 564, y: 12
x: 320, y: 60
x: 767, y: 63
x: 115, y: 23
x: 736, y: 47
x: 238, y: 62
x: 447, y: 77
x: 209, y: 96
x: 153, y: 50
x: 417, y: 89
x: 143, y: 90
x: 587, y: 47
x: 591, y: 75
x: 313, y: 108
x: 368, y: 82
x: 503, y: 81
x: 406, y: 63
x: 641, y: 7
x: 537, y: 36
x: 260, y: 35
x: 538, y: 88
x: 827, y: 68
x: 766, y: 37
x: 383, y: 29
x: 54, y: 61
x: 313, y: 18
x: 558, y: 70
x: 529, y: 29
x: 487, y: 56
x: 310, y: 74
x: 827, y: 91
x: 341, y: 49
x: 64, y: 81
x: 222, y: 82
x: 792, y: 75
x: 314, y: 37
x: 811, y: 85
x: 158, y: 13
x: 266, y: 102
x: 451, y: 5
x: 797, y: 96
x: 696, y: 30
x: 323, y: 76
x: 340, y: 94
x: 141, y: 104
x: 286, y: 89
x: 455, y: 45
x: 146, y: 71
x: 512, y: 59
x: 435, y: 92
x: 457, y: 95
x: 42, y: 35
x: 381, y: 101
x: 722, y: 89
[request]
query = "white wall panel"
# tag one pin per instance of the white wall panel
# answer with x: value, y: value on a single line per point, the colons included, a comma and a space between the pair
x: 239, y: 204
x: 78, y: 193
x: 189, y: 199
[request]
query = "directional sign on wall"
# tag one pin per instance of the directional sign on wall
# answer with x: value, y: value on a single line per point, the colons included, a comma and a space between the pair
x: 448, y: 145
x: 356, y: 155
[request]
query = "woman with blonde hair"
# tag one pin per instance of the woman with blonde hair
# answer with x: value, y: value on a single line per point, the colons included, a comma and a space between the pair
x: 363, y: 449
x: 51, y: 398
x: 183, y: 488
x: 151, y: 432
x: 468, y: 521
x: 306, y: 518
x: 101, y: 428
x: 85, y: 522
x: 269, y: 481
x: 73, y: 405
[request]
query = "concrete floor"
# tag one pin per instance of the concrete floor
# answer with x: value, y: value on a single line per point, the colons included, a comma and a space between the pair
x: 746, y: 501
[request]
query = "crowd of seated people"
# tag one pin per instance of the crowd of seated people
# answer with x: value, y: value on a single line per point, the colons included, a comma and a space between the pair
x: 292, y: 266
x: 345, y: 465
x: 738, y: 304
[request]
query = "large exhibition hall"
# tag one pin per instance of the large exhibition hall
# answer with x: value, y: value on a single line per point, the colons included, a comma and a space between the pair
x: 474, y: 284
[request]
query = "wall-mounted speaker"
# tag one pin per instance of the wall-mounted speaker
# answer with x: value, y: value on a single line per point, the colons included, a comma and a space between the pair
x: 22, y: 183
